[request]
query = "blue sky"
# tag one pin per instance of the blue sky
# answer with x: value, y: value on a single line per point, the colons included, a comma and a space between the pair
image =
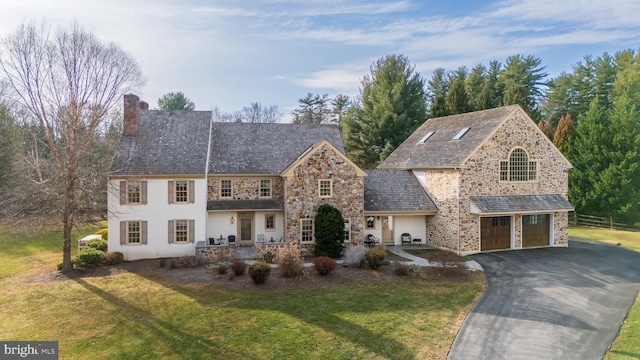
x: 231, y: 53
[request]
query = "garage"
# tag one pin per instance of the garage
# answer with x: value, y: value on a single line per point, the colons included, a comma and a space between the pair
x: 535, y: 230
x: 495, y: 233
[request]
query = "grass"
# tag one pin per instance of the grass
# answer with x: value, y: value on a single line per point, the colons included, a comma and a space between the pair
x: 627, y: 344
x: 143, y: 316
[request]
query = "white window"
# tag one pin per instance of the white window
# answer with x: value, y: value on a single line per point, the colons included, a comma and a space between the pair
x: 306, y: 230
x: 133, y: 192
x: 426, y: 137
x: 371, y: 223
x: 225, y: 188
x: 265, y: 188
x: 461, y: 133
x: 269, y: 221
x: 181, y: 231
x: 518, y: 168
x: 134, y: 232
x: 325, y: 188
x: 181, y: 191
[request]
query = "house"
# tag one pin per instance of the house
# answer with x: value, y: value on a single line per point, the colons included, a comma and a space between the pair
x: 182, y: 184
x: 496, y: 179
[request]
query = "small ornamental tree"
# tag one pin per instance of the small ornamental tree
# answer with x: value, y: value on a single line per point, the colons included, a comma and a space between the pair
x: 329, y: 232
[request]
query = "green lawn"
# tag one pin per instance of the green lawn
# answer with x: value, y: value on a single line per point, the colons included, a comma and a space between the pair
x: 627, y: 344
x: 143, y: 316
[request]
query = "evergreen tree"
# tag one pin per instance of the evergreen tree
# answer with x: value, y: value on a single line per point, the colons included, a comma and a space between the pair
x: 475, y: 83
x: 564, y: 133
x: 458, y: 100
x: 312, y: 110
x: 175, y: 101
x: 393, y: 106
x: 329, y: 232
x: 522, y: 79
x: 438, y: 89
x: 545, y: 127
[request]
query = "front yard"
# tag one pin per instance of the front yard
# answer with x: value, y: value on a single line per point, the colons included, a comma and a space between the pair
x: 148, y: 313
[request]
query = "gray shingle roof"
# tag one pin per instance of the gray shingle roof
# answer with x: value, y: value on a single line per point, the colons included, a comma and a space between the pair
x: 440, y: 150
x: 262, y: 204
x: 168, y: 142
x: 520, y: 203
x: 244, y: 148
x: 395, y: 190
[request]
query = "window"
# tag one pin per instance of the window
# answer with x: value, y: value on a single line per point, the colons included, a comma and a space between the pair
x: 426, y: 137
x: 347, y: 230
x: 371, y: 223
x: 134, y: 232
x: 265, y: 188
x: 518, y: 168
x: 325, y: 188
x: 460, y: 134
x: 269, y: 222
x: 182, y: 191
x: 225, y: 188
x: 133, y: 192
x: 306, y: 230
x: 181, y: 231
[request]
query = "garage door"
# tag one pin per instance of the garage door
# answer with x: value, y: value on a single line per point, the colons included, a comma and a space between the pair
x: 535, y: 230
x: 495, y: 233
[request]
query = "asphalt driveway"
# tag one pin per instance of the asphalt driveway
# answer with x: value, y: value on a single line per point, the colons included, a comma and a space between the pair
x: 555, y: 303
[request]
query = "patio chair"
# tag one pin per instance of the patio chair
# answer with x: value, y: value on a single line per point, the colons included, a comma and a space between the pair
x: 231, y: 239
x: 406, y: 238
x: 212, y: 241
x: 371, y: 240
x: 261, y: 238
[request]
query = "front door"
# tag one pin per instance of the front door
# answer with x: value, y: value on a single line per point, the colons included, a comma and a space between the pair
x: 387, y: 230
x: 245, y: 228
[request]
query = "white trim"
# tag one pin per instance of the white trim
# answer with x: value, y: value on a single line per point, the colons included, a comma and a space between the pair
x: 313, y: 237
x: 320, y: 188
x: 230, y: 189
x: 127, y: 243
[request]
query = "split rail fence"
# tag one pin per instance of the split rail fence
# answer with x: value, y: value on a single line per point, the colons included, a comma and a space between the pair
x: 599, y: 221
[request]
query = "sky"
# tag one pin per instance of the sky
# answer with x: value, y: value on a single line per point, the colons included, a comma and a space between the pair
x: 228, y: 54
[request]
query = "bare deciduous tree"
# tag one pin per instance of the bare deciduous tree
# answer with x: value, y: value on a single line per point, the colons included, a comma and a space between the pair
x: 67, y: 80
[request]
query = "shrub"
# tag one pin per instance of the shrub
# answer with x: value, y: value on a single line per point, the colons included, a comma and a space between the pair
x: 375, y: 257
x: 354, y: 256
x: 100, y: 244
x: 238, y: 266
x: 259, y: 272
x: 329, y: 232
x: 268, y: 257
x: 221, y: 268
x: 401, y: 269
x: 59, y: 266
x: 88, y: 258
x: 114, y: 258
x: 104, y: 232
x: 324, y: 265
x: 290, y: 262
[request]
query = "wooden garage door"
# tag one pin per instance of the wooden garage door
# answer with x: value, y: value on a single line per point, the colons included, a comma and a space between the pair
x: 535, y: 230
x: 495, y: 233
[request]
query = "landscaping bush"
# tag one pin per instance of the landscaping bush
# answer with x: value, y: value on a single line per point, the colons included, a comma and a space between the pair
x: 114, y: 258
x: 259, y: 272
x: 238, y: 267
x: 375, y: 257
x: 354, y: 256
x: 268, y: 257
x: 401, y: 269
x: 329, y: 232
x: 104, y: 232
x: 221, y: 268
x: 100, y: 244
x: 324, y: 265
x: 450, y: 263
x: 290, y: 262
x: 88, y: 258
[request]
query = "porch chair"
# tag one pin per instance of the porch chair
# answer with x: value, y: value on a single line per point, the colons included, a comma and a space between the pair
x: 231, y: 239
x: 406, y: 238
x: 371, y: 240
x: 261, y: 238
x: 212, y: 241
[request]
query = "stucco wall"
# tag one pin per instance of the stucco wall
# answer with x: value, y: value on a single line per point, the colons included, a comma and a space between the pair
x: 412, y: 224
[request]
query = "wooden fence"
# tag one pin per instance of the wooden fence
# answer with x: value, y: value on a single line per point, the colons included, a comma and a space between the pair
x: 599, y: 221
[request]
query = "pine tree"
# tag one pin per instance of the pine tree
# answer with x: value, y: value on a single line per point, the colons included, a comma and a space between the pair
x: 458, y: 100
x: 545, y: 127
x: 521, y: 79
x: 329, y: 232
x: 564, y: 133
x: 438, y: 89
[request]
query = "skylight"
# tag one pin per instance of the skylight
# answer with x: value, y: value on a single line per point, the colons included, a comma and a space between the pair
x: 426, y: 137
x: 460, y: 134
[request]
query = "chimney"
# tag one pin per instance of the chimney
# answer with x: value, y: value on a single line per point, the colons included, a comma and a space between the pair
x: 131, y: 114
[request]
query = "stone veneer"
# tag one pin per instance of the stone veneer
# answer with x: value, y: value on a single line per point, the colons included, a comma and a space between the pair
x: 244, y: 187
x: 301, y: 191
x: 479, y: 176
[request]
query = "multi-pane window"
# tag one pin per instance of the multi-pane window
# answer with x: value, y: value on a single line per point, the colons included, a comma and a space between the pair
x: 181, y: 231
x: 133, y: 232
x: 225, y: 188
x: 371, y: 223
x: 518, y: 168
x: 182, y: 191
x: 269, y: 222
x: 133, y: 192
x: 325, y: 188
x: 347, y: 230
x: 306, y: 230
x: 265, y: 188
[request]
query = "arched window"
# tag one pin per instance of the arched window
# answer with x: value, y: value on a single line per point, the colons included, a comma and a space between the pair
x: 518, y: 167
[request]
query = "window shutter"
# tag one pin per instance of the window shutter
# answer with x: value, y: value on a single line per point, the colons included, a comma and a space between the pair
x: 192, y: 235
x: 123, y: 192
x: 192, y: 191
x: 123, y: 232
x: 143, y: 192
x: 143, y: 230
x: 170, y: 192
x: 170, y: 234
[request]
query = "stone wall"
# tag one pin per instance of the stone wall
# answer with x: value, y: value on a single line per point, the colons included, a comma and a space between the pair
x: 217, y: 253
x: 442, y: 228
x: 245, y: 188
x: 301, y: 191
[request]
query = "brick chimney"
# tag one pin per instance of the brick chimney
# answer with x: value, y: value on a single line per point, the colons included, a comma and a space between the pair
x: 131, y: 114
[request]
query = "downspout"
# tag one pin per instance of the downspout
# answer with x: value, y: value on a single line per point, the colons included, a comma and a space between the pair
x: 458, y: 191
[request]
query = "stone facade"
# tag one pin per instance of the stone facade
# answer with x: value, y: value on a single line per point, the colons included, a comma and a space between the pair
x: 217, y: 253
x: 442, y: 187
x: 301, y: 191
x: 245, y: 187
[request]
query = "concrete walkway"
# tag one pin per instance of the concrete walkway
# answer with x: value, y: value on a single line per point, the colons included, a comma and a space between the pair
x: 415, y: 260
x: 552, y: 303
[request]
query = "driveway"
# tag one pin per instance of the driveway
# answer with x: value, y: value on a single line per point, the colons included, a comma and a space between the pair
x: 553, y: 303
